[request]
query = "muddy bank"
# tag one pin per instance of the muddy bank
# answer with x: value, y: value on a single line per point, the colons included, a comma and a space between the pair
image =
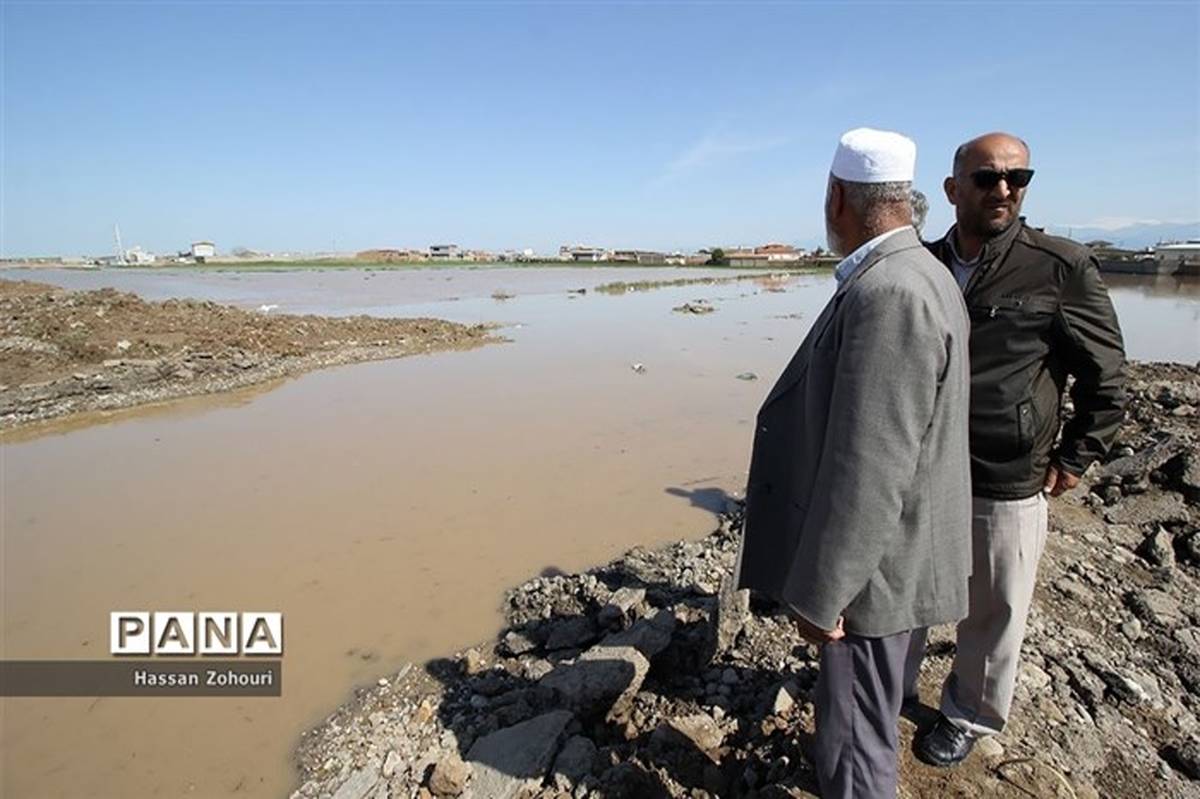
x: 66, y: 352
x: 648, y: 677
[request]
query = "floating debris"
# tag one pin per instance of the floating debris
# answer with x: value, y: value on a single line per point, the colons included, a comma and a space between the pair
x: 695, y: 307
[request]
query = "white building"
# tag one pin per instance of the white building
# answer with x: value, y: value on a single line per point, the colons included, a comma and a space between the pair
x: 580, y: 252
x: 443, y: 251
x: 203, y: 250
x: 138, y: 257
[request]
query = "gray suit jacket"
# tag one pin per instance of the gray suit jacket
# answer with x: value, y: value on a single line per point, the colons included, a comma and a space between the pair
x: 859, y: 497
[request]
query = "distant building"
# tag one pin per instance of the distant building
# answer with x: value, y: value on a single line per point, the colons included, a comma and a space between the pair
x: 1178, y: 259
x: 773, y: 254
x: 138, y: 257
x: 580, y: 252
x: 203, y: 250
x: 647, y: 257
x: 389, y: 255
x: 443, y: 251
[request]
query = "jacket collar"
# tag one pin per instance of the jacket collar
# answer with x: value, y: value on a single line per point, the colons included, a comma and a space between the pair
x: 851, y: 262
x: 994, y: 250
x: 905, y: 239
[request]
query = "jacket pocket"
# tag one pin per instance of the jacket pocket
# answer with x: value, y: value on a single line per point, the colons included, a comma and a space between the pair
x: 1025, y: 426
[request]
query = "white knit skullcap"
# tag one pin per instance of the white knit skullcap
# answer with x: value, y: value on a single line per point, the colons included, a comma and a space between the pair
x: 866, y: 155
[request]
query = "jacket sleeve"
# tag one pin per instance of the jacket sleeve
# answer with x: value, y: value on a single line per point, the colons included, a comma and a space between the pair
x: 889, y: 363
x: 1094, y: 353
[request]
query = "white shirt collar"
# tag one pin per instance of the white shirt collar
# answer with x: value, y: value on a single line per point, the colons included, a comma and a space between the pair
x: 849, y: 265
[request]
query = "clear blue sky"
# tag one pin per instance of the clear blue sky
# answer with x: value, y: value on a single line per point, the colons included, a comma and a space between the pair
x: 295, y: 125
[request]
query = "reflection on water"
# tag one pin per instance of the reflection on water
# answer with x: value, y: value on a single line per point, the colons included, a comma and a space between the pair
x: 384, y: 507
x: 1160, y: 315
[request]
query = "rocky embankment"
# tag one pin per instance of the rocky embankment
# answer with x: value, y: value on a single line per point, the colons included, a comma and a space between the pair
x: 649, y: 677
x: 64, y: 352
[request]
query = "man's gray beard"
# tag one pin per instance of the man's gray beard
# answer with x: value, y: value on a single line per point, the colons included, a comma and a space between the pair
x: 833, y: 242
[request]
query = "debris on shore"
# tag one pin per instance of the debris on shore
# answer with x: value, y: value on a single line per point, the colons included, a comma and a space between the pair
x: 65, y: 352
x: 650, y: 677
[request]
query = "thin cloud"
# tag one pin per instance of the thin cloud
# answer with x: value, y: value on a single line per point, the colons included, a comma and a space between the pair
x: 714, y: 148
x: 1118, y: 222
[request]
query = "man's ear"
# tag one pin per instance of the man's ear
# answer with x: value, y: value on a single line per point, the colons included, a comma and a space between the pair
x: 837, y: 199
x: 950, y: 186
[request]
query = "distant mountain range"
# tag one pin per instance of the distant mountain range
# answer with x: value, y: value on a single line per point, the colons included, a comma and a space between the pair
x: 1131, y: 236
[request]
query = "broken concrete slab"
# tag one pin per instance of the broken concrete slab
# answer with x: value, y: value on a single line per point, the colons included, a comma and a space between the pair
x: 508, y: 760
x: 601, y: 682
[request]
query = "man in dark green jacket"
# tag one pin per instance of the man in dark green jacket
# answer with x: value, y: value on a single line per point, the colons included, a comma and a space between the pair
x: 1039, y: 313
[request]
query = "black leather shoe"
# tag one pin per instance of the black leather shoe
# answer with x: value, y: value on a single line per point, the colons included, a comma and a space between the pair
x: 944, y: 745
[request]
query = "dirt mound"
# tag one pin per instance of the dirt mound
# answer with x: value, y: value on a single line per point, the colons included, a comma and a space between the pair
x: 68, y: 351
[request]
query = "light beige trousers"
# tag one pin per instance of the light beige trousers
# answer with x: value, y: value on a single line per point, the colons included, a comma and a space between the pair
x: 1007, y: 538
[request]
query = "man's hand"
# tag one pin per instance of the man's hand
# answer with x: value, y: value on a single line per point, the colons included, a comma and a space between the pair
x: 1058, y: 480
x: 814, y: 634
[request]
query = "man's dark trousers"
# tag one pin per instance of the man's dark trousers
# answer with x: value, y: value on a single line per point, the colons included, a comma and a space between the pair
x: 859, y: 691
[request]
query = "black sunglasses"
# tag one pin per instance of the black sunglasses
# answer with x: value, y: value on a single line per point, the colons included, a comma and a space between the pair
x: 988, y: 179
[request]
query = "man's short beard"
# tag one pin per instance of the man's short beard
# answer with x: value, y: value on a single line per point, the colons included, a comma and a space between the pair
x: 833, y: 241
x: 978, y: 226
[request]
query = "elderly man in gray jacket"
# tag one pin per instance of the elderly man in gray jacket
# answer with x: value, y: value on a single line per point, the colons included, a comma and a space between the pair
x: 859, y: 497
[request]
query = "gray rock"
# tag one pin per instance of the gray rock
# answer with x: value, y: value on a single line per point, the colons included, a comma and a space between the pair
x: 472, y: 662
x: 1159, y: 507
x: 785, y: 698
x: 571, y: 633
x: 989, y: 747
x: 1185, y: 757
x: 1125, y: 534
x: 576, y: 760
x: 1190, y: 478
x: 649, y: 636
x: 729, y: 677
x: 360, y: 783
x: 733, y: 609
x: 537, y: 669
x: 1158, y: 549
x: 1132, y: 629
x: 516, y: 643
x: 1156, y: 606
x: 601, y: 682
x: 1074, y: 590
x: 621, y: 603
x: 1189, y: 638
x: 449, y: 776
x: 1142, y: 463
x: 506, y: 761
x: 1125, y: 687
x: 1034, y: 677
x: 698, y: 730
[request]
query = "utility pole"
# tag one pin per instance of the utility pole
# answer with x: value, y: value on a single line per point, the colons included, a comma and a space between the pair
x: 120, y: 249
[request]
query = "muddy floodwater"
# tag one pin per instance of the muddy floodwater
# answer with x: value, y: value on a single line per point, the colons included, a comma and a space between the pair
x: 384, y: 507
